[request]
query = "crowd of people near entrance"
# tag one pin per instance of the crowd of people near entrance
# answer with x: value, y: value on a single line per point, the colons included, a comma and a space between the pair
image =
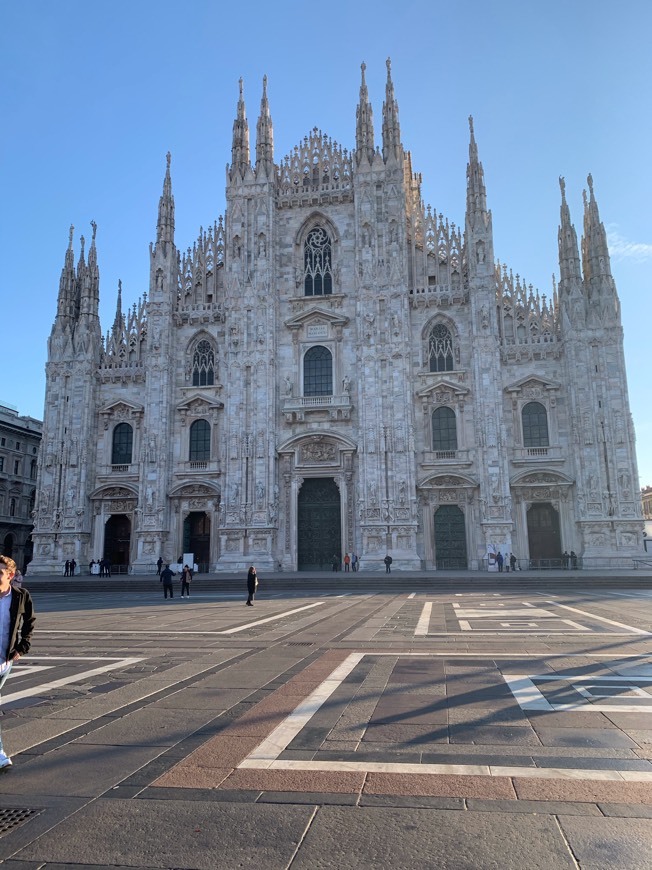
x: 350, y: 562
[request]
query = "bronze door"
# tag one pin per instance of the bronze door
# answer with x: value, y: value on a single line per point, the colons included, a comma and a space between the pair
x: 117, y: 539
x: 319, y: 529
x: 543, y: 533
x: 450, y: 538
x: 197, y: 538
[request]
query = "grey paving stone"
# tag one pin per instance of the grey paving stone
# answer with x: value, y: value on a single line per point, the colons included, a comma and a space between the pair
x: 414, y: 838
x: 199, y: 794
x: 314, y: 798
x: 552, y: 808
x: 152, y: 726
x: 424, y: 802
x: 610, y: 843
x: 165, y: 834
x: 626, y: 811
x: 595, y: 763
x: 80, y: 770
x: 488, y: 735
x: 602, y: 737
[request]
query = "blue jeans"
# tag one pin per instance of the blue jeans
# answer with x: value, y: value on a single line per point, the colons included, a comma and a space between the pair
x: 2, y: 682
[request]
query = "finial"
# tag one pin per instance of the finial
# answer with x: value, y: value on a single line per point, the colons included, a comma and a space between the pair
x: 363, y: 67
x: 119, y: 287
x: 82, y: 240
x: 584, y: 198
x: 168, y: 159
x: 389, y: 67
x: 562, y: 186
x: 72, y: 230
x: 94, y: 226
x: 241, y: 84
x: 264, y: 86
x: 589, y: 181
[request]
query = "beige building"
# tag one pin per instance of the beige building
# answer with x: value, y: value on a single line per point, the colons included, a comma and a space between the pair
x: 334, y: 367
x: 20, y: 439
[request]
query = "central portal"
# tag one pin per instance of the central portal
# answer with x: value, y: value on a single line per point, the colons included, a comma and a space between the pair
x: 197, y: 538
x: 319, y: 531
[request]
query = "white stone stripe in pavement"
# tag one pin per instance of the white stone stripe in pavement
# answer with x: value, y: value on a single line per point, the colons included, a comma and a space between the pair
x: 71, y: 678
x: 284, y: 733
x: 424, y: 620
x: 450, y: 769
x: 269, y: 618
x: 602, y: 619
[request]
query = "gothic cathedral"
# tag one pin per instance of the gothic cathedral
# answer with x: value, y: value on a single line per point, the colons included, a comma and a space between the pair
x: 334, y: 367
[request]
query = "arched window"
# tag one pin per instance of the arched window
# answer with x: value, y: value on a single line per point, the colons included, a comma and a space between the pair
x: 444, y: 429
x: 200, y: 441
x: 440, y: 349
x: 318, y: 372
x: 317, y: 268
x: 535, y: 425
x: 123, y: 441
x: 203, y: 365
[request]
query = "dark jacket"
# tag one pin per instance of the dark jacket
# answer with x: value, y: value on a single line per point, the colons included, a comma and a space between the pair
x: 166, y: 576
x: 21, y: 623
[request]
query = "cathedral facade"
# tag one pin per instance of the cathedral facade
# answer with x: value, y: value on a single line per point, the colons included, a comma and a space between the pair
x: 334, y: 367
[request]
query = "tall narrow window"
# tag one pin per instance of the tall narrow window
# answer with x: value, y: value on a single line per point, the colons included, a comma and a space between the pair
x: 12, y: 507
x: 318, y: 372
x: 203, y: 365
x: 32, y: 469
x: 200, y: 441
x: 535, y: 425
x: 444, y: 429
x: 317, y: 269
x: 440, y: 349
x: 123, y: 440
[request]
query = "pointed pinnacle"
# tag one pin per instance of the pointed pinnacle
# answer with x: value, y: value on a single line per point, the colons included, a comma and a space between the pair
x: 71, y: 231
x: 94, y: 226
x: 562, y: 187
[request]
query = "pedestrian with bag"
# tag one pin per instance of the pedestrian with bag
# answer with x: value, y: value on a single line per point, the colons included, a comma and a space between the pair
x: 252, y: 585
x: 186, y: 577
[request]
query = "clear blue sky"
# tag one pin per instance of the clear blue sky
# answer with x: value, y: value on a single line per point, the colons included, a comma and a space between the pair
x: 95, y: 94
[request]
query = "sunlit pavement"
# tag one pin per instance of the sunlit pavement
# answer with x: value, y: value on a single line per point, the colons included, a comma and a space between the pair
x: 452, y: 723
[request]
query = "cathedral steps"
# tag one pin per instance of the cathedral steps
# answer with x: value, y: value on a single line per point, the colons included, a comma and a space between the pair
x: 366, y: 583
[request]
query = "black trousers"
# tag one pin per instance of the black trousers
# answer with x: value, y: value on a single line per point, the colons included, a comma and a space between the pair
x: 168, y: 587
x: 185, y: 588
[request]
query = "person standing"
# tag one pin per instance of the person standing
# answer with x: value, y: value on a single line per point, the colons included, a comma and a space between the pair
x: 66, y: 569
x: 159, y: 565
x: 186, y: 577
x: 16, y: 628
x: 166, y: 580
x: 354, y: 562
x: 388, y: 564
x: 73, y: 567
x: 500, y: 559
x: 335, y: 562
x: 252, y: 584
x: 347, y: 562
x: 512, y: 561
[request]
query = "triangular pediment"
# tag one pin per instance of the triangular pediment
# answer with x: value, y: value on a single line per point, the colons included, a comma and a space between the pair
x: 316, y: 315
x: 122, y: 406
x: 443, y: 385
x: 198, y: 404
x: 532, y: 383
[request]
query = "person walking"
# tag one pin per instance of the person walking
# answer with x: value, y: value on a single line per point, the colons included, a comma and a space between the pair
x: 252, y: 585
x: 166, y: 580
x: 159, y: 565
x: 186, y: 577
x: 16, y: 628
x: 388, y: 564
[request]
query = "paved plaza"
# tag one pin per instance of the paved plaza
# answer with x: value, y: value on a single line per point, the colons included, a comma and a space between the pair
x: 340, y: 723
